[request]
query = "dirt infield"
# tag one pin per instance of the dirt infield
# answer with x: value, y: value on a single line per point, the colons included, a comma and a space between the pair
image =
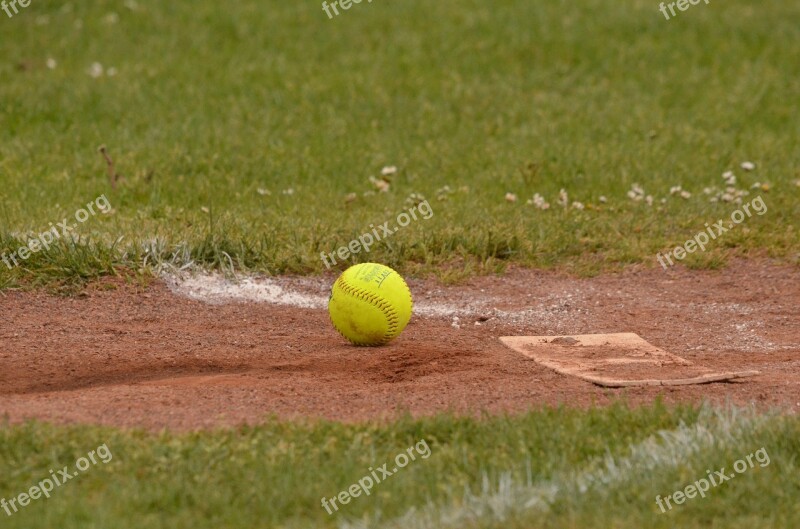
x: 152, y: 357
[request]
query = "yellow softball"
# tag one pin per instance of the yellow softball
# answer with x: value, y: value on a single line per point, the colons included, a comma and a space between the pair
x: 370, y: 304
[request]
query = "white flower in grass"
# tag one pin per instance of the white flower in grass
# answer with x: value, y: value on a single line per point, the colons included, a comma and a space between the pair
x: 577, y: 205
x: 729, y: 177
x: 511, y: 197
x: 748, y: 166
x: 686, y: 195
x: 674, y: 190
x: 563, y: 198
x: 51, y: 63
x: 380, y: 184
x: 538, y: 202
x: 263, y: 191
x: 389, y: 170
x: 636, y: 193
x: 289, y: 191
x: 602, y: 199
x: 649, y: 200
x: 95, y: 70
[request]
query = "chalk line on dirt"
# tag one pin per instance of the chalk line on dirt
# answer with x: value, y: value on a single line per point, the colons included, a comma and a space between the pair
x: 302, y: 293
x: 565, y: 311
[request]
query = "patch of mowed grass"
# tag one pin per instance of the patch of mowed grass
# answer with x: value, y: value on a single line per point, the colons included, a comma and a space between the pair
x: 214, y: 101
x: 275, y: 474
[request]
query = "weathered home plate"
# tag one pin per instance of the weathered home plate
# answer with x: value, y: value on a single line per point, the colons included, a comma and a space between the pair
x: 615, y: 360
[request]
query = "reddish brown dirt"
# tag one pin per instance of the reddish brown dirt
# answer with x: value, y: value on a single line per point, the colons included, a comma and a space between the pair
x: 130, y: 356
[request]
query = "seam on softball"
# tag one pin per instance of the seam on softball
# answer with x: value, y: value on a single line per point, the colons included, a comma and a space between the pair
x: 392, y: 318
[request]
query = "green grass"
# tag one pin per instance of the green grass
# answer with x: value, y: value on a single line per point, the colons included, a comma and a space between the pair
x: 217, y: 109
x: 275, y: 475
x: 215, y: 100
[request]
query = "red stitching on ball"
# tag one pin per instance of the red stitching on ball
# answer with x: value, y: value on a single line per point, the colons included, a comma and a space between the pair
x: 388, y: 310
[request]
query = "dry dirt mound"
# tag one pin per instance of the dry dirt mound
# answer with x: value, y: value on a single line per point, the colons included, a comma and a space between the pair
x: 157, y: 358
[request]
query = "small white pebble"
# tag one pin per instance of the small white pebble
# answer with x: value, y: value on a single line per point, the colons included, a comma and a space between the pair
x: 51, y: 63
x: 389, y: 170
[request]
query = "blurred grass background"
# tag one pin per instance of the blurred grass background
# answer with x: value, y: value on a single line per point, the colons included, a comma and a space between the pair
x: 210, y: 102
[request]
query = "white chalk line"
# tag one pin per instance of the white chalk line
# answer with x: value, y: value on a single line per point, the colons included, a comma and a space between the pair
x: 661, y: 452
